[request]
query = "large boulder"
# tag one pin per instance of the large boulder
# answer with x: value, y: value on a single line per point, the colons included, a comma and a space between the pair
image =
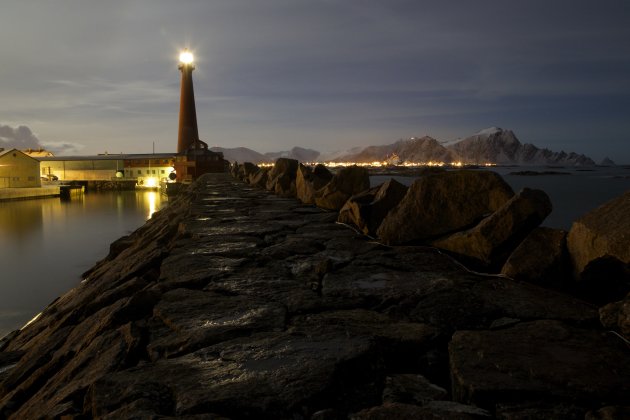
x: 439, y: 204
x: 540, y: 361
x: 344, y: 184
x: 281, y: 179
x: 491, y: 241
x: 308, y: 181
x: 411, y: 389
x: 430, y: 411
x: 599, y: 247
x: 610, y: 412
x: 259, y: 178
x: 367, y: 210
x: 541, y: 259
x: 245, y: 170
x: 616, y: 316
x: 234, y: 169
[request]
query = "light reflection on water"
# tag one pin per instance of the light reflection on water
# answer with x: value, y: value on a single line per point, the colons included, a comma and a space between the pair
x: 46, y: 244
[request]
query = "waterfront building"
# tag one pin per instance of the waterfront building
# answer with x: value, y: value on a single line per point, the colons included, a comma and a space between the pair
x: 18, y: 170
x: 145, y: 169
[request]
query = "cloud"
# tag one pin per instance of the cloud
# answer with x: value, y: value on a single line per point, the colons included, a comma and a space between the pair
x: 20, y: 138
x: 63, y: 148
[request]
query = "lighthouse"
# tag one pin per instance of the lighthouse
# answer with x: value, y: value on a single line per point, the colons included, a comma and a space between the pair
x: 193, y: 157
x: 188, y: 134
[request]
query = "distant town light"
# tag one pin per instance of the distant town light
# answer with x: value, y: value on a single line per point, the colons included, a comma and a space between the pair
x: 186, y: 57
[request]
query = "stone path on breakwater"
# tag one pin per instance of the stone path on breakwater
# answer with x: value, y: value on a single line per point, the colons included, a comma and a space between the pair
x: 235, y: 303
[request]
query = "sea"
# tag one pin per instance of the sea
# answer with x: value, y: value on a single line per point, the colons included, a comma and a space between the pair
x: 46, y: 244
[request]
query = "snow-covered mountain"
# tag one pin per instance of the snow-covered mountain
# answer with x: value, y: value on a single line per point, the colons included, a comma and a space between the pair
x: 499, y: 146
x: 491, y: 145
x: 424, y: 149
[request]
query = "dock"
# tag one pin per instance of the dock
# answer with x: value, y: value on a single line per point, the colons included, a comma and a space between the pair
x: 68, y: 192
x: 7, y: 194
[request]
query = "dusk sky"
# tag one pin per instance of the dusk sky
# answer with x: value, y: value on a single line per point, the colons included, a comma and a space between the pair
x: 87, y: 77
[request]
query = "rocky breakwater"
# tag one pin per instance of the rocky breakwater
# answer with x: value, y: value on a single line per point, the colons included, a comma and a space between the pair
x: 238, y: 303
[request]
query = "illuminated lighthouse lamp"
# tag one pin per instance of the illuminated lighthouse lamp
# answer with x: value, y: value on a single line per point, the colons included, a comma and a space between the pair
x: 186, y: 57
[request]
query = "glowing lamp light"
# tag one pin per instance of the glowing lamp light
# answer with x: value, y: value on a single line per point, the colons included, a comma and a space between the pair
x: 152, y: 182
x: 186, y: 57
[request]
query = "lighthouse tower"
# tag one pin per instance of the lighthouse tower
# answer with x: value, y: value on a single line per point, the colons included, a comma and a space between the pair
x: 193, y: 157
x: 188, y: 134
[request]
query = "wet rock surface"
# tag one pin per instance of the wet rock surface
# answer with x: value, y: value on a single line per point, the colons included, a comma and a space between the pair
x: 367, y: 210
x: 598, y: 247
x: 443, y: 203
x: 490, y: 242
x: 309, y: 181
x: 542, y: 258
x: 237, y: 303
x: 345, y: 183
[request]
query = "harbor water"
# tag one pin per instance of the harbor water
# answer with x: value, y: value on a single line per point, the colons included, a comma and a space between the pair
x: 45, y: 245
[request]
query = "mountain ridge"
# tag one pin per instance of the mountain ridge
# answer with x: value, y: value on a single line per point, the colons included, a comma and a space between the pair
x: 491, y: 145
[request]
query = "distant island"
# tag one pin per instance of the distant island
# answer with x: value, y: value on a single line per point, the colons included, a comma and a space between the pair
x: 490, y: 146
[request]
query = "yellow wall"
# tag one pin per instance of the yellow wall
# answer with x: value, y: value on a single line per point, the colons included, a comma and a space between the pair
x: 17, y: 170
x: 85, y: 170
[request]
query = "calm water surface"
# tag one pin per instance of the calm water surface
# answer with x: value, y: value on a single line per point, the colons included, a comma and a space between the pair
x: 46, y: 244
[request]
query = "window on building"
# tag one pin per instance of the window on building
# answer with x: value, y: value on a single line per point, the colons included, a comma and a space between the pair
x: 153, y: 171
x: 148, y: 172
x: 139, y: 172
x: 162, y: 171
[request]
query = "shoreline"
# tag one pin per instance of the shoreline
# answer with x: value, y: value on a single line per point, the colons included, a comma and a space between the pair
x: 9, y: 194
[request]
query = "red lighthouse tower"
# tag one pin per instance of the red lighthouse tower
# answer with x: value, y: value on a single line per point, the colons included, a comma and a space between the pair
x: 188, y: 133
x: 193, y: 157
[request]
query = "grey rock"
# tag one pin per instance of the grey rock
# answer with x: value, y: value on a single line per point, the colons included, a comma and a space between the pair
x: 443, y: 203
x: 616, y: 316
x: 434, y: 410
x: 490, y: 242
x: 609, y: 413
x: 599, y: 246
x: 367, y: 210
x: 281, y: 178
x: 246, y: 170
x: 545, y: 361
x: 259, y: 178
x: 308, y: 181
x: 411, y: 389
x: 344, y: 184
x: 542, y: 258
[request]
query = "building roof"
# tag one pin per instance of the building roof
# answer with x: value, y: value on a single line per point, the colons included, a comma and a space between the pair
x: 5, y: 152
x: 38, y: 152
x: 108, y: 157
